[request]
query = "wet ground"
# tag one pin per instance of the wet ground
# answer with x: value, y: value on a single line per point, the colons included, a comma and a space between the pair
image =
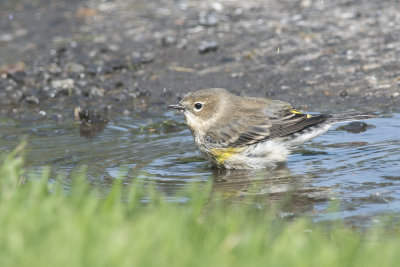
x: 126, y: 60
x: 123, y: 56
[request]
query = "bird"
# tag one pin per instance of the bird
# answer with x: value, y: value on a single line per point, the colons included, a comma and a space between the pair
x: 236, y: 132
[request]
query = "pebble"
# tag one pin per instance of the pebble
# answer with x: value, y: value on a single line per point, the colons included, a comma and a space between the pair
x: 31, y: 99
x: 142, y: 58
x: 167, y: 40
x: 395, y: 94
x: 13, y: 68
x: 182, y: 43
x: 208, y: 19
x: 63, y: 84
x: 6, y: 37
x: 370, y: 66
x: 98, y: 92
x: 74, y: 67
x: 207, y: 46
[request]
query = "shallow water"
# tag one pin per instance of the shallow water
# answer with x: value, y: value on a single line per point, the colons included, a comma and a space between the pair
x: 360, y: 172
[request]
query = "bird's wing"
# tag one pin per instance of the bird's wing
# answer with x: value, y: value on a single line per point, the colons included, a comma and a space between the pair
x: 239, y: 132
x: 247, y: 131
x: 294, y: 123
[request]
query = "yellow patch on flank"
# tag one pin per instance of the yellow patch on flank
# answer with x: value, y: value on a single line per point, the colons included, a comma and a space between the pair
x: 296, y: 111
x: 222, y: 154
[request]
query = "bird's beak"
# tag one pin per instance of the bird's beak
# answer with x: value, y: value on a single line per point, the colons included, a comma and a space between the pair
x: 179, y: 107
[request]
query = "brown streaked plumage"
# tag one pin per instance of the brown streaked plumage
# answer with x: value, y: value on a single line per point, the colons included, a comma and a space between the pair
x: 247, y: 132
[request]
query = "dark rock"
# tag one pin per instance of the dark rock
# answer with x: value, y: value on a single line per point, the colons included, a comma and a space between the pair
x: 107, y: 69
x: 94, y: 69
x: 355, y: 127
x: 269, y: 93
x: 227, y: 59
x: 119, y: 97
x: 61, y: 51
x: 92, y: 122
x: 18, y: 76
x: 58, y: 92
x: 90, y: 116
x: 343, y: 93
x: 104, y: 50
x: 57, y: 117
x: 119, y: 85
x: 100, y: 68
x: 117, y: 64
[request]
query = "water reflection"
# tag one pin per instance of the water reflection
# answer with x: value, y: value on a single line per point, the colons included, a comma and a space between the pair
x: 279, y: 187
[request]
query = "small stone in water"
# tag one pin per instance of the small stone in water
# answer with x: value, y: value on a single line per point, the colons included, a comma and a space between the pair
x: 90, y: 116
x: 355, y: 127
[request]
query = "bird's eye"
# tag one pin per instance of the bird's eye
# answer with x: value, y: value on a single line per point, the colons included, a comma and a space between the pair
x: 198, y: 106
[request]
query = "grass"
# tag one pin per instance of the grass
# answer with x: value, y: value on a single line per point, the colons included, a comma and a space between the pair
x: 43, y: 225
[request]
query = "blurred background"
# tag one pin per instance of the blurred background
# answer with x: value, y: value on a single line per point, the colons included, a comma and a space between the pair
x: 135, y: 55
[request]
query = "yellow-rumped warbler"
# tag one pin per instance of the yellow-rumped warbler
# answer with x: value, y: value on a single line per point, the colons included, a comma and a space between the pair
x: 247, y: 133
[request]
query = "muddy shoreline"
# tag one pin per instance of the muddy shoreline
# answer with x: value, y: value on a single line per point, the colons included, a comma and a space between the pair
x: 124, y: 57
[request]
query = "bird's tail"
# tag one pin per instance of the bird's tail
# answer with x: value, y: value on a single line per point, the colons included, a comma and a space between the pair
x: 334, y: 118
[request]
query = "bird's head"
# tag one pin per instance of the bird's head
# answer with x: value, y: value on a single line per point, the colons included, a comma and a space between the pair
x: 203, y: 108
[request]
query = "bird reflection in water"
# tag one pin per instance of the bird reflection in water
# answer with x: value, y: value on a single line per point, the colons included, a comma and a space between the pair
x: 290, y: 194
